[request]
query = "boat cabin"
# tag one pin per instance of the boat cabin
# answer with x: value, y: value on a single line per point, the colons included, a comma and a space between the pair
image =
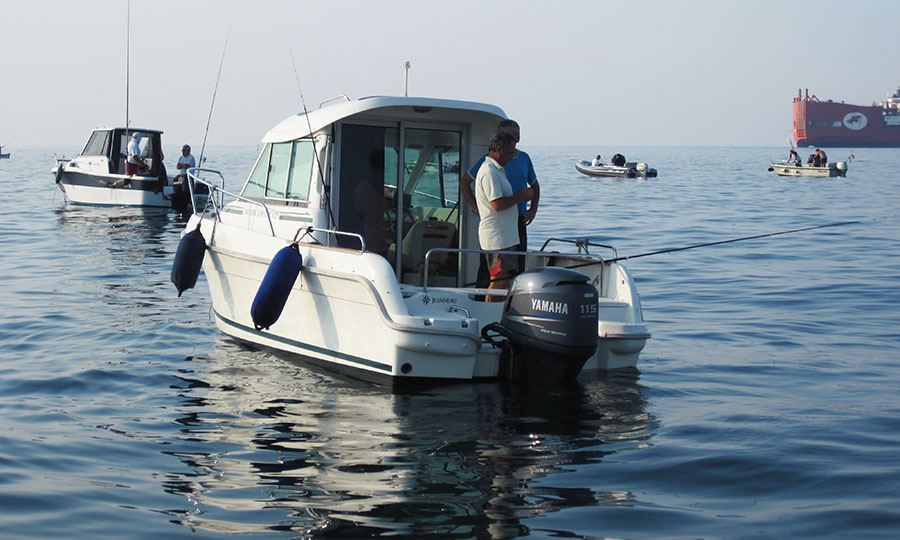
x: 108, y: 147
x: 386, y: 170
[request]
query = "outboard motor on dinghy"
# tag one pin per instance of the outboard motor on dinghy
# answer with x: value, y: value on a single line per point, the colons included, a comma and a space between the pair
x: 550, y: 322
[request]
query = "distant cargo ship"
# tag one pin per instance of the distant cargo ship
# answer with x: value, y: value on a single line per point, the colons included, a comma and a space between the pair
x: 830, y: 123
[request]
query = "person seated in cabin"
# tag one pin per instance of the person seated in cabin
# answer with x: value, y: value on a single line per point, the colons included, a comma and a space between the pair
x: 618, y: 160
x: 597, y: 162
x: 794, y: 158
x: 372, y: 206
x: 498, y: 228
x: 823, y: 159
x: 135, y: 163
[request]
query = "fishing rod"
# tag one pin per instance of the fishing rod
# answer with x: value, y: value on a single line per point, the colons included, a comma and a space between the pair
x: 707, y: 244
x: 732, y: 240
x: 326, y: 187
x: 11, y: 140
x: 211, y: 105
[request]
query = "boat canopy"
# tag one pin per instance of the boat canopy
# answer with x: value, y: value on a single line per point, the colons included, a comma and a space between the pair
x: 298, y: 126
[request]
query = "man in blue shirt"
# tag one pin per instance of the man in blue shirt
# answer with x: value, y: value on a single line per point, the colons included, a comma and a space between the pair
x: 520, y: 173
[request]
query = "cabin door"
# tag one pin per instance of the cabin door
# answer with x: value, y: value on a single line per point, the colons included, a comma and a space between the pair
x: 430, y: 205
x: 399, y: 186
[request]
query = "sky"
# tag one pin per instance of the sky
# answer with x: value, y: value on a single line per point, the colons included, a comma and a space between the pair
x: 573, y: 73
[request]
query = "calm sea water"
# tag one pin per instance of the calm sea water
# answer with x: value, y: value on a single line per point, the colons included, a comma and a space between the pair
x: 767, y: 403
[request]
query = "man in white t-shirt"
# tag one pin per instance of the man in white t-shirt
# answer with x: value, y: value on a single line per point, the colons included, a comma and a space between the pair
x: 185, y: 161
x: 498, y: 207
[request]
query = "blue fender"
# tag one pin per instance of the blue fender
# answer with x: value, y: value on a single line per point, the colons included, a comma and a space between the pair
x: 276, y: 286
x: 188, y: 260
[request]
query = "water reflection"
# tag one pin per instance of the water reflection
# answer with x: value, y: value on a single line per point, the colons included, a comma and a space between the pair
x: 120, y: 259
x: 272, y: 446
x: 126, y: 232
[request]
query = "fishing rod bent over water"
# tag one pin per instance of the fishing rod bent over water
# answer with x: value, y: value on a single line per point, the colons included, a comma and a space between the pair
x: 732, y: 240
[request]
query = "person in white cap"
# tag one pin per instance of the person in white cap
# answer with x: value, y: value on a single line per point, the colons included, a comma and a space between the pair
x: 134, y: 162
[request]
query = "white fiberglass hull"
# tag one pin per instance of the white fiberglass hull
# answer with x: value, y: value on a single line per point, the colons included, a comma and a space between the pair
x: 787, y: 169
x: 113, y: 190
x: 347, y: 311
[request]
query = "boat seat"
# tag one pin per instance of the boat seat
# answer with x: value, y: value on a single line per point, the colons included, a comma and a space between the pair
x: 425, y: 235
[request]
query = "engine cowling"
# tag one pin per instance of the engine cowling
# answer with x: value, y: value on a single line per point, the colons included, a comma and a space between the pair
x: 550, y: 318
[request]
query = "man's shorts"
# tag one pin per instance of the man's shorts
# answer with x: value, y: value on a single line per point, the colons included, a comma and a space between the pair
x: 498, y: 262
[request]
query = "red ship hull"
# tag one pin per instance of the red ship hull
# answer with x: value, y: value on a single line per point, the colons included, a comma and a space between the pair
x: 828, y: 123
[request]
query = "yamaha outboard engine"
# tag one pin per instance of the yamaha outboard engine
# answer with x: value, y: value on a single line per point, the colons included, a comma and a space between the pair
x: 550, y: 322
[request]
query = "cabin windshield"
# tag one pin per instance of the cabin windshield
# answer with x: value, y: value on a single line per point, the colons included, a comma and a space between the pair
x: 98, y: 144
x: 420, y: 215
x: 283, y: 171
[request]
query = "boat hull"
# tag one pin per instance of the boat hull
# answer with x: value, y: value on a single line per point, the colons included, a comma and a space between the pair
x: 833, y: 124
x: 337, y: 318
x: 363, y: 323
x: 832, y: 170
x: 113, y: 189
x: 609, y: 171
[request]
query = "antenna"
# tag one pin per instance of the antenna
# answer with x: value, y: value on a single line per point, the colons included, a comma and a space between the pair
x: 127, y: 60
x: 406, y: 66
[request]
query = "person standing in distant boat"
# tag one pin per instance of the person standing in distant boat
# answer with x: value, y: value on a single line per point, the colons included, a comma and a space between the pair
x: 520, y: 174
x: 823, y: 159
x: 597, y: 161
x: 794, y: 158
x: 135, y: 162
x: 618, y: 160
x: 497, y: 203
x: 185, y: 162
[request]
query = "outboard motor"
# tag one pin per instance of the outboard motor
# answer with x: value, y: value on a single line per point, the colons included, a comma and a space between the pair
x: 550, y: 322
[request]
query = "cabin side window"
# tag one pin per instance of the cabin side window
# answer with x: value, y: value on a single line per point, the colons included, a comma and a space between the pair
x: 97, y: 145
x: 301, y: 165
x: 279, y: 168
x: 282, y: 172
x: 256, y: 184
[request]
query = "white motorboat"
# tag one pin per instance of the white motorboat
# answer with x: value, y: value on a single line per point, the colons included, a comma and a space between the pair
x: 631, y: 169
x: 97, y: 175
x: 347, y: 245
x: 788, y: 168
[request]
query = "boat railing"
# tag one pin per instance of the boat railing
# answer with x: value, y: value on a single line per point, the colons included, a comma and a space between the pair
x: 597, y: 259
x: 307, y: 231
x: 217, y: 194
x: 334, y: 98
x: 583, y: 245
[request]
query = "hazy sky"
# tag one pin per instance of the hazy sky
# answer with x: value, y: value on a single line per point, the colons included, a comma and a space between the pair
x: 571, y: 72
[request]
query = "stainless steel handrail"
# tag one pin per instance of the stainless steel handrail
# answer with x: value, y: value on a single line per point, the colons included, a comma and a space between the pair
x: 216, y: 190
x: 311, y: 229
x: 460, y: 250
x: 196, y: 178
x: 581, y: 243
x: 333, y: 98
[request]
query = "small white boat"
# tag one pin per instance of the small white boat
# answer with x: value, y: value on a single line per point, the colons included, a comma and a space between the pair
x: 347, y: 246
x: 787, y: 168
x: 2, y: 155
x: 629, y: 170
x: 97, y: 175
